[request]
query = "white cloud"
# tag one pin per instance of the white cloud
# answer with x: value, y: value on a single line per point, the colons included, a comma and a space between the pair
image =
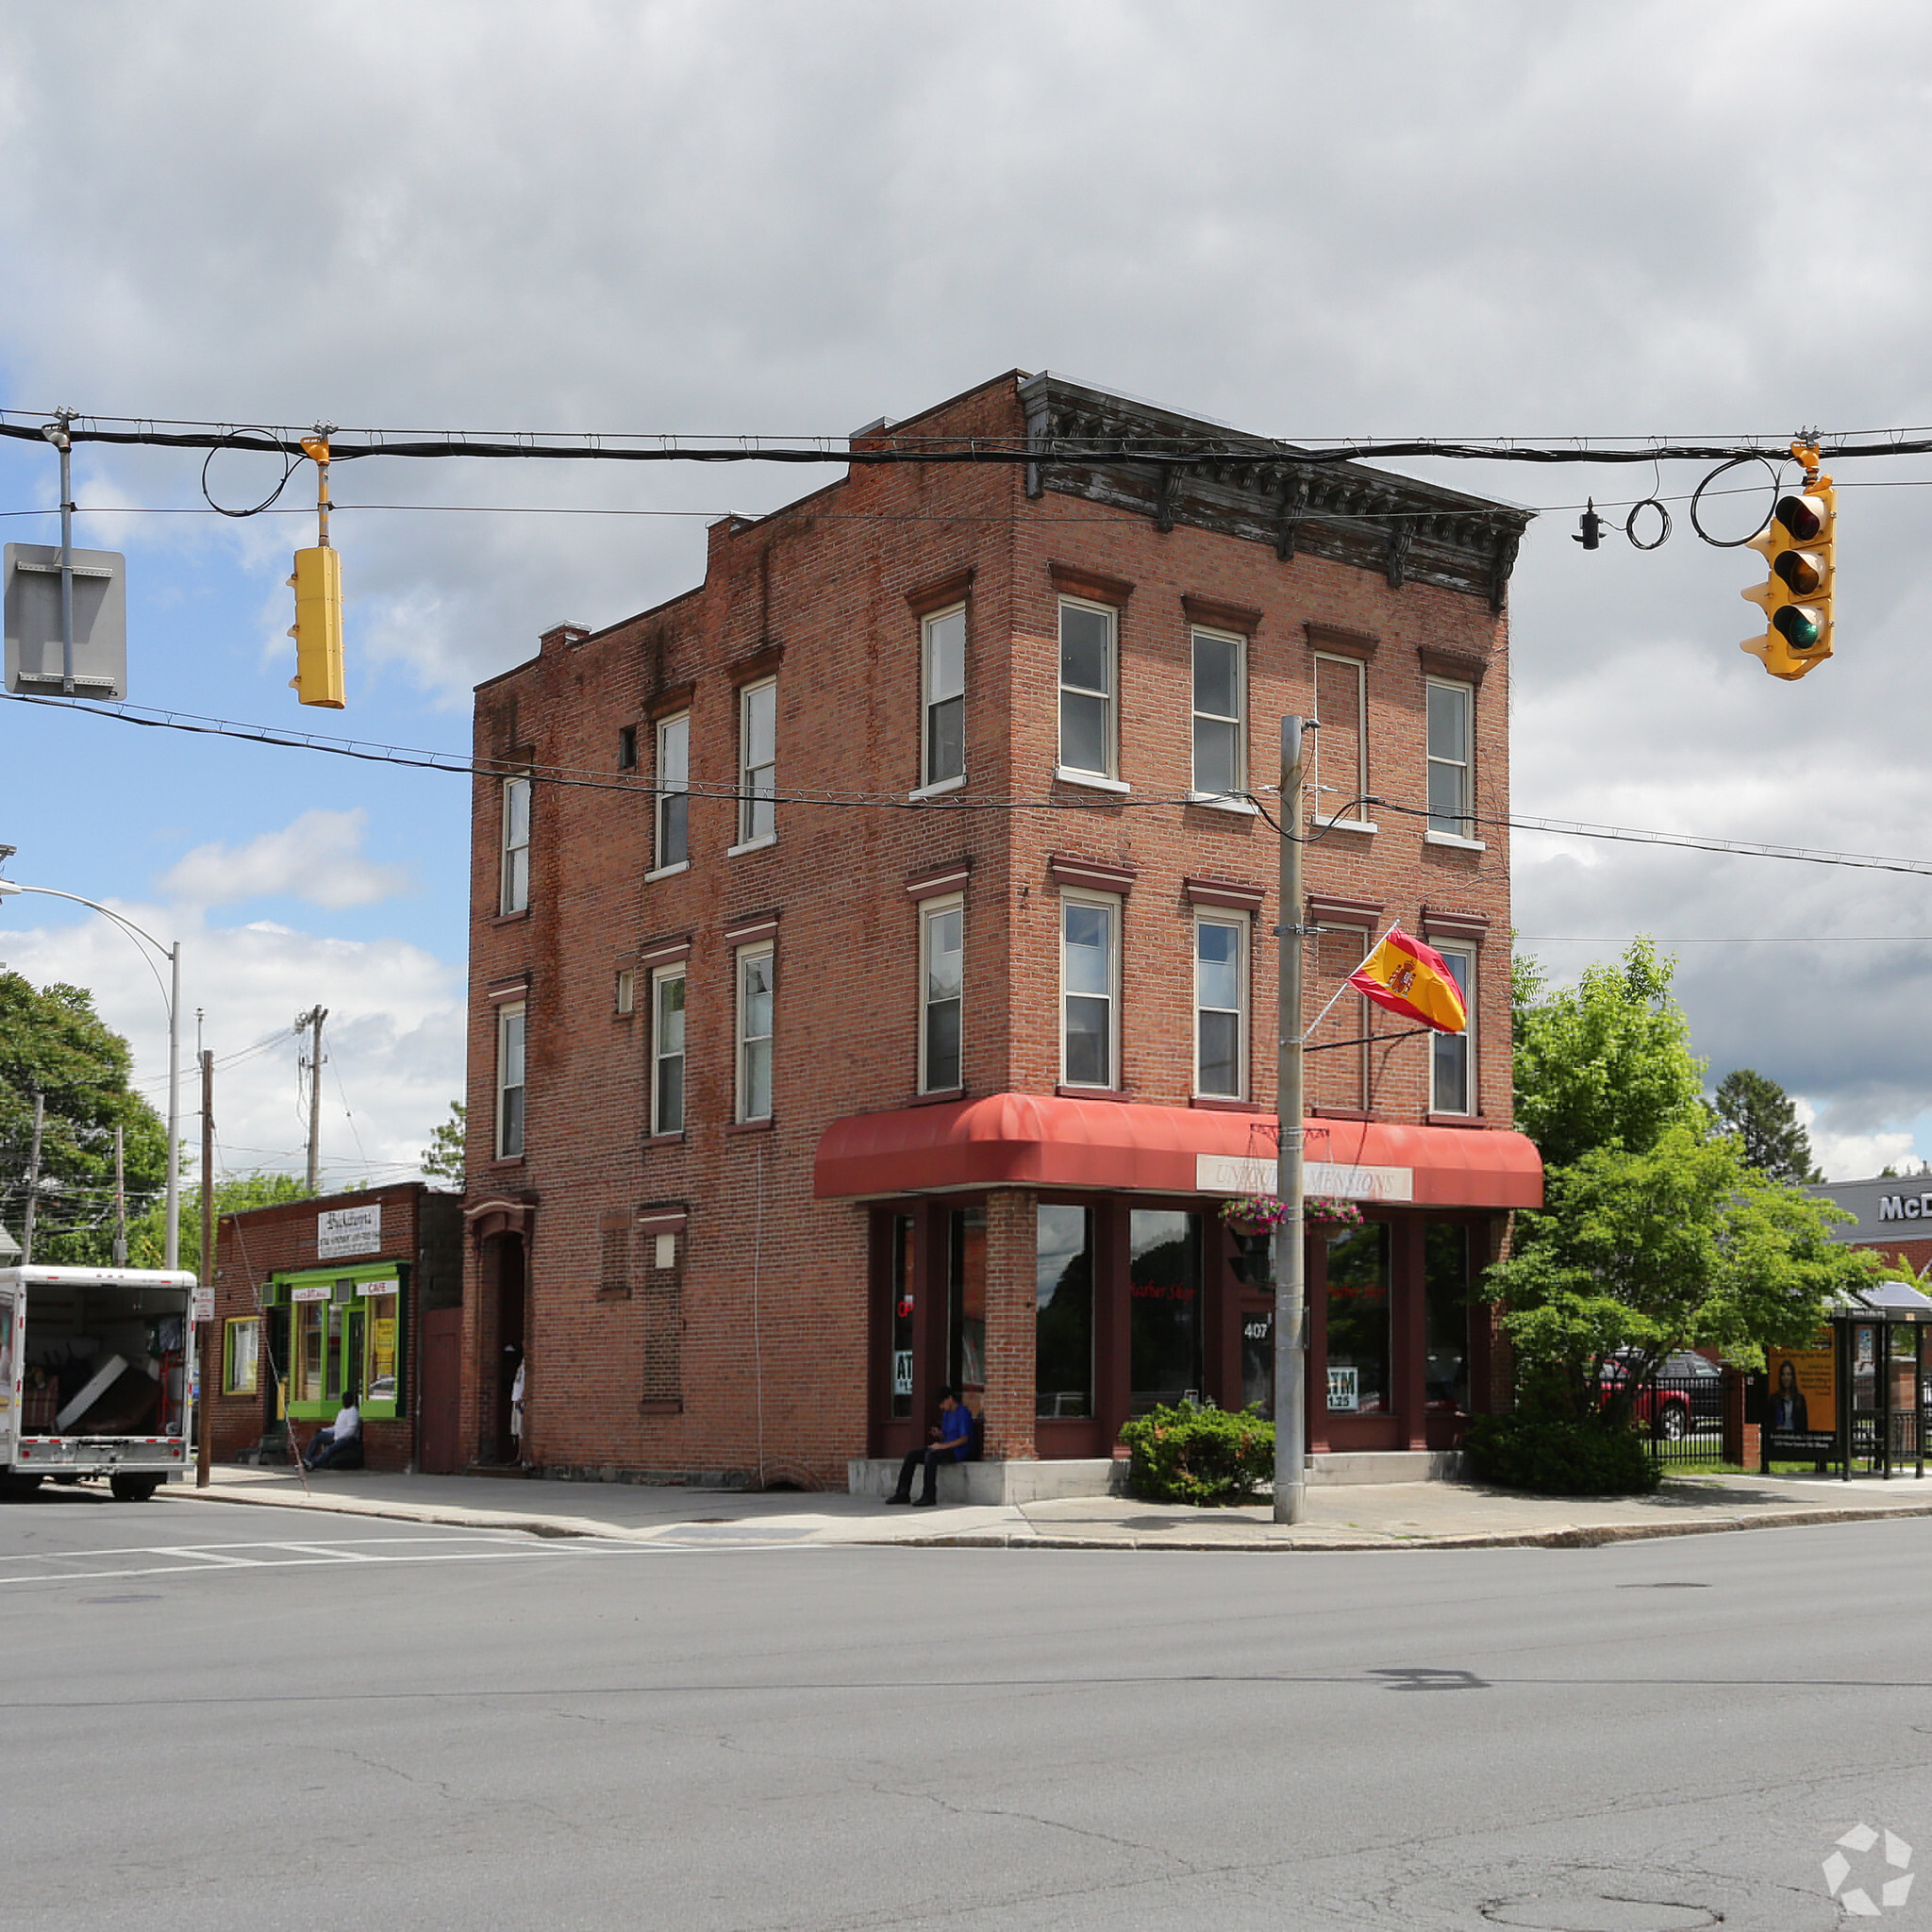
x: 1855, y: 1157
x: 317, y: 856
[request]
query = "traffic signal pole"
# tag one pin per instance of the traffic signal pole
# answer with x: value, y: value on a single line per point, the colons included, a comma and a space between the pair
x: 1290, y: 1299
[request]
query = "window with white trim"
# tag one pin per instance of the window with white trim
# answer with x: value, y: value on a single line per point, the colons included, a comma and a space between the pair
x: 1341, y: 746
x: 757, y: 763
x: 624, y: 998
x: 942, y: 654
x: 1088, y: 653
x: 672, y: 844
x: 514, y: 895
x: 756, y: 966
x: 1221, y: 972
x: 1452, y: 711
x: 1219, y: 763
x: 509, y: 1080
x: 942, y: 989
x: 1089, y: 989
x: 1452, y: 1063
x: 1339, y: 1072
x: 667, y: 1049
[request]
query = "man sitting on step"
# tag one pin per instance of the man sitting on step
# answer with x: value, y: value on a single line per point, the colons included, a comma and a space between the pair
x: 952, y: 1441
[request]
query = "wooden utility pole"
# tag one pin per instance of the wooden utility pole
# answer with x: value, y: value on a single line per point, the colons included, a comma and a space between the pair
x: 205, y: 1275
x: 120, y: 1197
x: 312, y: 1020
x: 33, y: 1182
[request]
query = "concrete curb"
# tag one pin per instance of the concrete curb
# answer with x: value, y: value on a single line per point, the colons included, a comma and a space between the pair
x: 1564, y: 1537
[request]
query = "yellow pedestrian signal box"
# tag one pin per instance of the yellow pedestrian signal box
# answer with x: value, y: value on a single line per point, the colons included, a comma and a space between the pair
x: 318, y: 627
x: 1797, y: 597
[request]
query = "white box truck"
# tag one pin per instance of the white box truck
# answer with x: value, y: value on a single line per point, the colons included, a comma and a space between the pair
x: 96, y: 1377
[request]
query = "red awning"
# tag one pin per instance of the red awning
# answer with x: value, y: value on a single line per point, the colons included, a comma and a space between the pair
x: 1037, y: 1140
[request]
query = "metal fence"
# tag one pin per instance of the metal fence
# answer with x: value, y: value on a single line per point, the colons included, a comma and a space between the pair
x: 1681, y: 1417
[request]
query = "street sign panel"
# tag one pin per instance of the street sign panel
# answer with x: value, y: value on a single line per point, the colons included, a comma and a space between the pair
x: 35, y: 656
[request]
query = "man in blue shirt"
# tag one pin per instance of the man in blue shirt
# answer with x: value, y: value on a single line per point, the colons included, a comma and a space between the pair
x: 952, y: 1441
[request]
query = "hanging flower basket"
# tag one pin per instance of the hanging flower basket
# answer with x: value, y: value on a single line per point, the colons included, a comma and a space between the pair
x: 1328, y: 1210
x: 1254, y: 1214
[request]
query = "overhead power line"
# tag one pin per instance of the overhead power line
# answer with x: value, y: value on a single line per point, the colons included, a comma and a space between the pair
x: 456, y: 765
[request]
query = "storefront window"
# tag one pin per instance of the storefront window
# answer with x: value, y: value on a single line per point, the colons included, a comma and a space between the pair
x: 1359, y: 1382
x: 380, y: 1357
x: 241, y: 1350
x: 312, y: 1324
x: 1164, y: 1299
x: 1063, y: 1320
x: 347, y: 1334
x: 1258, y: 1362
x: 901, y: 1325
x: 966, y: 1303
x: 1445, y: 1316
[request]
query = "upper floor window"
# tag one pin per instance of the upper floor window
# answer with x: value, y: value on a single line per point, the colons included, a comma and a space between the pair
x: 1452, y: 1064
x: 943, y: 669
x: 509, y: 1080
x: 672, y: 844
x: 626, y: 747
x: 941, y: 983
x: 1089, y: 989
x: 1220, y: 1007
x: 757, y: 763
x: 1452, y: 708
x: 1218, y: 763
x: 1088, y: 652
x: 1341, y: 746
x: 667, y: 1049
x: 514, y: 895
x: 755, y: 992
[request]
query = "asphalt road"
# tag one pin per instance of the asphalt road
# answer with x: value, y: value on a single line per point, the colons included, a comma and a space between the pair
x: 258, y: 1719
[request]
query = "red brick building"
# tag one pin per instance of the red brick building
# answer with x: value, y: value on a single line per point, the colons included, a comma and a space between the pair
x: 872, y: 984
x: 345, y: 1292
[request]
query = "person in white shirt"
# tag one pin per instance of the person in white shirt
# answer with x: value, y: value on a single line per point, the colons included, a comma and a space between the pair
x: 331, y: 1444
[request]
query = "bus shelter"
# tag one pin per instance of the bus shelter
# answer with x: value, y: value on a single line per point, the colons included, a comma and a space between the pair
x: 1862, y: 1400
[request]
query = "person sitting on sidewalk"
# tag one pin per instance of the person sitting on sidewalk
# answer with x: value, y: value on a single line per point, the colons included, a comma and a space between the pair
x: 951, y: 1442
x: 340, y: 1445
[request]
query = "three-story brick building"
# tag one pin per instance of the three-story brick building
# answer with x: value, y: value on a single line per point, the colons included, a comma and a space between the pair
x: 871, y: 981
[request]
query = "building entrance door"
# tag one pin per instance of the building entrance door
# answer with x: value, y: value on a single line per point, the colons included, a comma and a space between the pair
x: 438, y: 1439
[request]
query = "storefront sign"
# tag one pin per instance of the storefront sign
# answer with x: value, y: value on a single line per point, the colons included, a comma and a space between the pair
x: 1224, y: 1174
x: 902, y: 1371
x: 340, y: 1231
x: 311, y: 1291
x: 1344, y: 1396
x: 1801, y: 1412
x: 204, y: 1309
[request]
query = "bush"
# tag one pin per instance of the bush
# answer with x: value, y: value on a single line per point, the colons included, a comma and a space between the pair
x: 1190, y: 1454
x: 1558, y: 1456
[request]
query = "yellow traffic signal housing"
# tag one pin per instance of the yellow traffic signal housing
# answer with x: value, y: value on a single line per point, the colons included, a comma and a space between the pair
x: 318, y: 627
x: 1799, y: 545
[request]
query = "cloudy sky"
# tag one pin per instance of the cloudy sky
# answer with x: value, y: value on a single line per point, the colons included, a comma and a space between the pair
x: 1547, y: 221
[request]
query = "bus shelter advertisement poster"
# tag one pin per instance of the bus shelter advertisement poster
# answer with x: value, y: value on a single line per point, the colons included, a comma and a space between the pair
x: 1801, y: 1412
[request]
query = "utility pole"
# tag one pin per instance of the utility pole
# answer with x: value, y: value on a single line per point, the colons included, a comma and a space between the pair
x: 205, y: 1275
x: 312, y: 1020
x: 1291, y: 1301
x: 33, y: 1182
x: 119, y: 1198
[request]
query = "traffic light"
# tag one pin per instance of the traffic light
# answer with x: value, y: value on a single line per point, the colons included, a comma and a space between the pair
x: 318, y: 627
x: 1797, y: 597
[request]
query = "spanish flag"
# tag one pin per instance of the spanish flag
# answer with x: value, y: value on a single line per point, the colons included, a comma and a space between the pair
x: 1412, y: 979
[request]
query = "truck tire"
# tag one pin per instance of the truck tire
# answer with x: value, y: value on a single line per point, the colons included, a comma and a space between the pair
x: 16, y: 1487
x: 133, y: 1488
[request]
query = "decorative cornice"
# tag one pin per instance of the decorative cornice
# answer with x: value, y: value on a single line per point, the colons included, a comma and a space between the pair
x: 1248, y: 487
x: 1349, y: 911
x: 514, y: 988
x: 748, y: 670
x: 1455, y: 925
x: 1349, y: 643
x: 936, y: 596
x: 1229, y: 893
x: 1466, y: 665
x: 672, y: 699
x: 665, y: 952
x: 948, y: 878
x: 666, y: 1220
x: 1077, y: 582
x: 749, y: 927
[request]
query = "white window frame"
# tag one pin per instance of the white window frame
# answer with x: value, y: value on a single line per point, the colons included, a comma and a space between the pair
x: 660, y: 981
x: 749, y: 838
x: 930, y: 698
x: 512, y: 1022
x: 1082, y: 775
x: 1239, y: 719
x: 513, y: 878
x: 1463, y: 953
x: 1463, y: 832
x: 666, y: 790
x: 930, y: 911
x: 1238, y: 924
x: 1348, y: 815
x: 1112, y: 903
x: 744, y: 957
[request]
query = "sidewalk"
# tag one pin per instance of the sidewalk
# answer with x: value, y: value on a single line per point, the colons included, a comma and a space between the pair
x: 1371, y: 1517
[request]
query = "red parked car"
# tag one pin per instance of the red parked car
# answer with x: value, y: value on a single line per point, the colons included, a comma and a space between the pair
x: 1687, y: 1397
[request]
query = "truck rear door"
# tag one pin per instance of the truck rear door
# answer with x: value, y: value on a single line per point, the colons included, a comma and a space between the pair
x: 12, y: 1355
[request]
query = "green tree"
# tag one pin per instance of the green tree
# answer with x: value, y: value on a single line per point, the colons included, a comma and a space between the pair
x: 1606, y: 1062
x: 1681, y: 1245
x: 443, y: 1160
x: 51, y: 1038
x: 148, y: 1238
x: 1759, y: 1112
